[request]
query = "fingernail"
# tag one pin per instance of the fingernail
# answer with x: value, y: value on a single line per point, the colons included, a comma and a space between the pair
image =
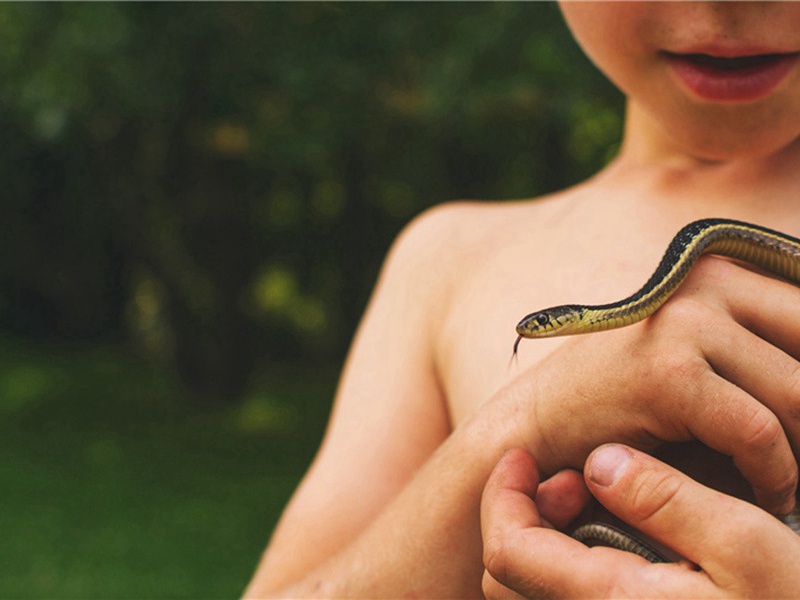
x: 608, y: 464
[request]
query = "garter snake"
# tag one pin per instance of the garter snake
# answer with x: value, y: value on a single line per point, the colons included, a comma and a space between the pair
x: 771, y: 250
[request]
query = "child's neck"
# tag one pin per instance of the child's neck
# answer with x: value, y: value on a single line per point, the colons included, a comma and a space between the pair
x: 764, y: 188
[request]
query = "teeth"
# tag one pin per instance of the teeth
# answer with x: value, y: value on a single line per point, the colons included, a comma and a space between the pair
x: 732, y: 64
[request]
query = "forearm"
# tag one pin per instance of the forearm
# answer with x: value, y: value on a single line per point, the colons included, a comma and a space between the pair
x: 425, y: 543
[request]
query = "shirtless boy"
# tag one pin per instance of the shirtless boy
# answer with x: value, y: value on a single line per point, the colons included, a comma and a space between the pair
x: 427, y: 405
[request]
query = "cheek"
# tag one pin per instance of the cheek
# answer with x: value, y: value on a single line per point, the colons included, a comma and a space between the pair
x: 613, y: 35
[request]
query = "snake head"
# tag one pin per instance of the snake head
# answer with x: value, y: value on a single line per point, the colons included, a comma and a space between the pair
x: 559, y: 320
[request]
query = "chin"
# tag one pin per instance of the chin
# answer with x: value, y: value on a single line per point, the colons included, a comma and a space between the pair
x: 724, y: 133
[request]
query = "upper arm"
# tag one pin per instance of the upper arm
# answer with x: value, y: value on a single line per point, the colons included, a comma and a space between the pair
x: 389, y: 414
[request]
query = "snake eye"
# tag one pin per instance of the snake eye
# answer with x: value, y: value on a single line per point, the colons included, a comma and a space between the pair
x: 542, y: 320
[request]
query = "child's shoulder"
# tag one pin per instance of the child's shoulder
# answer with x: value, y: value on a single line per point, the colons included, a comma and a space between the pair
x: 456, y: 246
x: 434, y: 252
x: 445, y: 241
x: 449, y: 244
x: 457, y: 229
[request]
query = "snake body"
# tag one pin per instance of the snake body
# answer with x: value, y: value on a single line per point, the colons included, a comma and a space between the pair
x: 766, y: 248
x: 771, y: 250
x: 604, y: 534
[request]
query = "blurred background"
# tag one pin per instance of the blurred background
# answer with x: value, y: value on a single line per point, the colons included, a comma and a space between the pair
x: 195, y: 202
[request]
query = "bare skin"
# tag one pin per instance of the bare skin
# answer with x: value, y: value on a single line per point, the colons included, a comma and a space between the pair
x: 428, y: 403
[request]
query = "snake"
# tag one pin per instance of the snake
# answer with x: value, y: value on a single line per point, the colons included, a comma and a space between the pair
x: 772, y: 251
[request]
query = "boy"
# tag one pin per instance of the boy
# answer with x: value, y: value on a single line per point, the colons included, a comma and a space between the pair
x: 427, y: 407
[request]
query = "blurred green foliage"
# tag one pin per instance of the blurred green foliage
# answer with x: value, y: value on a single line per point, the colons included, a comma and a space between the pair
x: 114, y: 488
x: 214, y: 186
x: 217, y: 182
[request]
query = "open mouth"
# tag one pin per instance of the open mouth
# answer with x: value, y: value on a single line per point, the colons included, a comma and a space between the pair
x: 737, y: 63
x: 732, y: 79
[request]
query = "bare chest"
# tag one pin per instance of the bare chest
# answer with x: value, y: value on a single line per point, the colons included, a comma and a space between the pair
x: 478, y: 333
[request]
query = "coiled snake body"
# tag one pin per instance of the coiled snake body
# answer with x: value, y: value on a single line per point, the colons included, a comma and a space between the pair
x: 771, y: 250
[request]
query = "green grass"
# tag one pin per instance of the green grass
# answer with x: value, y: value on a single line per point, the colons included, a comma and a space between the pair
x: 114, y: 486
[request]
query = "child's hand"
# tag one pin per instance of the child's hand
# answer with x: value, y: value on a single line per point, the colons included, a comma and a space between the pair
x: 740, y: 550
x: 717, y: 363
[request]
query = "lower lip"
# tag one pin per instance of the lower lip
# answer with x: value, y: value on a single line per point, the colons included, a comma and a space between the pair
x: 737, y: 85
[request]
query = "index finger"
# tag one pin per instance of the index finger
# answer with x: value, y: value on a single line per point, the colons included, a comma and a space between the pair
x: 507, y: 502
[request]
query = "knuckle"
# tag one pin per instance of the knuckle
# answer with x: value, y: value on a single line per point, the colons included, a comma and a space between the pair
x: 500, y: 569
x: 495, y: 556
x: 696, y: 303
x: 793, y: 384
x: 787, y: 487
x: 763, y: 434
x: 762, y: 431
x: 711, y: 269
x: 653, y: 494
x: 489, y: 586
x: 686, y: 317
x: 682, y: 310
x: 786, y: 484
x: 674, y: 381
x: 679, y: 368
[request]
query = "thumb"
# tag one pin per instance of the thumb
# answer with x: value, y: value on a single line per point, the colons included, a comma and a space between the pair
x: 702, y: 525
